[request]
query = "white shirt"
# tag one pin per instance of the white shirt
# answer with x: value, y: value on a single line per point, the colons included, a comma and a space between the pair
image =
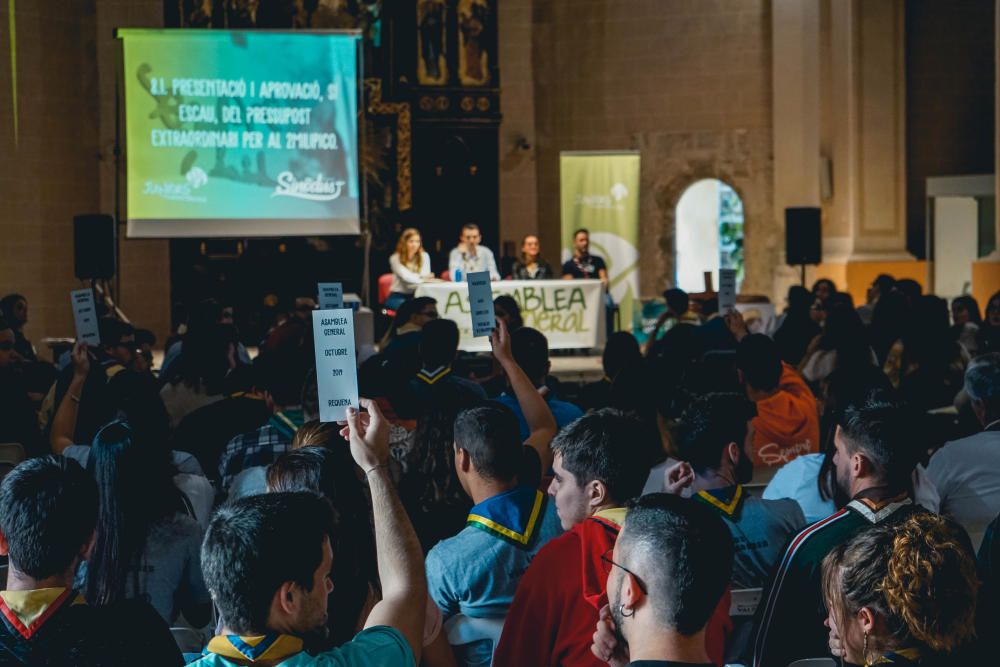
x: 966, y: 473
x: 404, y: 280
x: 483, y: 260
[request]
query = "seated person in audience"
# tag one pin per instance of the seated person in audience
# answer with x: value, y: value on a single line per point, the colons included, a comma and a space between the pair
x: 209, y: 356
x: 268, y: 559
x: 14, y: 309
x: 902, y: 594
x: 582, y: 264
x: 48, y: 510
x: 283, y: 389
x: 787, y: 423
x: 476, y: 572
x: 873, y: 465
x: 713, y: 437
x: 205, y: 432
x: 678, y: 310
x: 966, y: 472
x: 621, y: 351
x: 795, y: 328
x: 531, y: 352
x: 410, y: 266
x: 206, y: 314
x: 988, y: 339
x: 505, y: 308
x: 470, y: 257
x: 667, y: 577
x: 115, y: 354
x: 966, y: 321
x: 530, y: 265
x: 438, y: 349
x: 883, y: 284
x: 600, y: 462
x: 147, y: 541
x: 404, y: 336
x: 17, y: 414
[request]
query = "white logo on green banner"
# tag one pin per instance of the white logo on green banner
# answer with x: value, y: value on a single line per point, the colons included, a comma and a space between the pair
x: 600, y: 192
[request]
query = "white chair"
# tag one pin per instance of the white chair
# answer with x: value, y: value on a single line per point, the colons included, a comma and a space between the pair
x: 745, y: 601
x: 464, y: 630
x: 814, y: 662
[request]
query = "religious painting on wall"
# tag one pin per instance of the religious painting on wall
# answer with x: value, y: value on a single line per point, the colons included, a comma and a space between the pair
x: 432, y: 62
x: 474, y: 56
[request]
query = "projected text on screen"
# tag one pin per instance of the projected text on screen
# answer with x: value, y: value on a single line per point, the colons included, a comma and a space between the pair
x: 240, y: 133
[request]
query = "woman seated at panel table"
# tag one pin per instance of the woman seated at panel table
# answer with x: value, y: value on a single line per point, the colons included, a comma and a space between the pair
x: 411, y: 265
x: 529, y: 264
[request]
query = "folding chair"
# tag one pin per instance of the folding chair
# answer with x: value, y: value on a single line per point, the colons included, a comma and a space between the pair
x: 743, y: 604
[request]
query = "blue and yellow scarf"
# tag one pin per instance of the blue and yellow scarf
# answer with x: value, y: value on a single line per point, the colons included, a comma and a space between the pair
x: 432, y: 376
x: 514, y: 516
x: 25, y: 612
x: 287, y: 422
x: 270, y: 647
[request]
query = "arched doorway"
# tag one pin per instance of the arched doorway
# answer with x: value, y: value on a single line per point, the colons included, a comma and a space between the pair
x: 709, y: 234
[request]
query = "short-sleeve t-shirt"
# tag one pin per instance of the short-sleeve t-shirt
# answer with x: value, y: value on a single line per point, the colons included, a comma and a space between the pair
x: 588, y: 266
x: 380, y: 646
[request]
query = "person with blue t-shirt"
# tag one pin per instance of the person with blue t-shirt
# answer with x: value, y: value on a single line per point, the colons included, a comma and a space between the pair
x: 476, y: 572
x: 267, y: 562
x: 531, y: 351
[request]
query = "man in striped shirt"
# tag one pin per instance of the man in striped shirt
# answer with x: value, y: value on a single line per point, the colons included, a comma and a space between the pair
x: 874, y: 461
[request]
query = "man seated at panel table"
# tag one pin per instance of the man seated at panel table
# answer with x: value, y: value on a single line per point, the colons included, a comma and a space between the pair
x: 470, y: 257
x: 582, y: 264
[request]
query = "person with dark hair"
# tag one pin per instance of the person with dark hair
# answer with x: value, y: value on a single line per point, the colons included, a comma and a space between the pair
x: 988, y: 339
x: 889, y: 320
x: 48, y: 511
x: 205, y: 315
x: 926, y: 364
x: 966, y: 321
x: 910, y: 289
x: 873, y: 465
x: 17, y: 413
x: 267, y: 561
x: 209, y: 355
x: 582, y: 264
x: 283, y: 387
x: 823, y: 289
x: 404, y: 335
x: 843, y: 344
x: 506, y: 309
x: 902, y: 594
x: 795, y: 328
x: 531, y: 352
x: 620, y: 352
x: 14, y: 308
x: 668, y: 575
x: 966, y: 472
x: 471, y: 257
x: 677, y: 312
x: 147, y: 538
x: 438, y: 349
x: 600, y: 462
x: 714, y: 438
x: 883, y: 284
x: 429, y: 486
x: 530, y: 264
x: 787, y: 423
x: 476, y: 572
x: 326, y: 468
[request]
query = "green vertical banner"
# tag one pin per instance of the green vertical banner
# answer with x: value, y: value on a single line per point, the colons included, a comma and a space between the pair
x: 600, y: 192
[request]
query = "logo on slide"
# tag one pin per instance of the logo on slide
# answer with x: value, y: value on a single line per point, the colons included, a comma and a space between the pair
x: 313, y: 189
x: 196, y: 177
x: 610, y: 201
x: 619, y: 191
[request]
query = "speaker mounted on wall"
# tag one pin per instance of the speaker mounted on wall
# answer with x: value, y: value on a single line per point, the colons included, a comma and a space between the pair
x: 94, y: 242
x: 803, y: 239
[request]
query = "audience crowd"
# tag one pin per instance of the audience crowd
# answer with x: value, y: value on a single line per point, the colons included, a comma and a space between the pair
x: 722, y: 495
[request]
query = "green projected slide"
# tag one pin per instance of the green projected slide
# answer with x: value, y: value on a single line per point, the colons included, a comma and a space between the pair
x: 231, y: 133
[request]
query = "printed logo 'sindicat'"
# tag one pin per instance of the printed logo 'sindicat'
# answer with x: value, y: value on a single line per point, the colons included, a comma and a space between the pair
x: 313, y: 189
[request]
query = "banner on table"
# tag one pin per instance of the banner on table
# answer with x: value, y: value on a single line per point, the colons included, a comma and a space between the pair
x: 600, y: 193
x: 569, y: 313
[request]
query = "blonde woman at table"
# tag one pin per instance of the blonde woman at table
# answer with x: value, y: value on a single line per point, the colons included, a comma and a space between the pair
x: 411, y: 265
x: 529, y: 264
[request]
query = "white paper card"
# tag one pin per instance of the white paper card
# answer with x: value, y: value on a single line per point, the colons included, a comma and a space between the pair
x: 336, y: 365
x: 727, y: 290
x: 85, y: 316
x: 331, y: 295
x: 484, y: 319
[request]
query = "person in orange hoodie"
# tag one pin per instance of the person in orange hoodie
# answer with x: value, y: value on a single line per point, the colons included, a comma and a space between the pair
x: 787, y: 422
x: 600, y: 462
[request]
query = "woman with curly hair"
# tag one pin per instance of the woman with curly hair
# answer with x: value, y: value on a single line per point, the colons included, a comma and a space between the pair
x: 902, y: 594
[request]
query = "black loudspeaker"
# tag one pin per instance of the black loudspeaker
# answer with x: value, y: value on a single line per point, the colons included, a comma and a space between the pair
x: 94, y: 246
x: 803, y: 242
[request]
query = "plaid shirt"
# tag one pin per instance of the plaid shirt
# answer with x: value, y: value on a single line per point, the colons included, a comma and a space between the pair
x: 261, y: 447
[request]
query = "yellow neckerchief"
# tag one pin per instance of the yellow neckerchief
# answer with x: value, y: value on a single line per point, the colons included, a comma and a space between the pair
x: 513, y: 516
x: 432, y: 376
x: 259, y: 648
x: 727, y: 508
x: 27, y: 611
x: 615, y: 515
x: 907, y: 654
